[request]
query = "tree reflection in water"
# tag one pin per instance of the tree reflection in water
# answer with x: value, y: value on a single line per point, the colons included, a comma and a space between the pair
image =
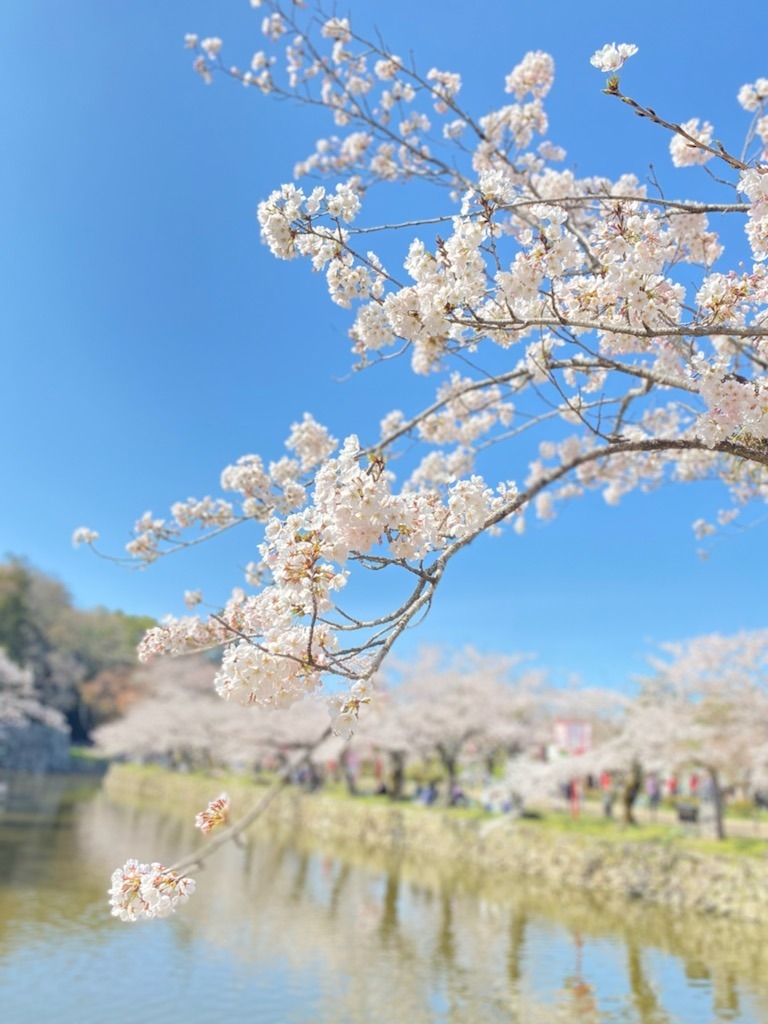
x: 644, y: 996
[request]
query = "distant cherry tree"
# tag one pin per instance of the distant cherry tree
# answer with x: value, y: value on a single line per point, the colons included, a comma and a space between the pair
x: 461, y: 707
x: 705, y: 708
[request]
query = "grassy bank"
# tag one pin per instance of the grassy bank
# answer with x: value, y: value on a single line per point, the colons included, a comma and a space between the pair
x: 653, y: 862
x: 188, y: 792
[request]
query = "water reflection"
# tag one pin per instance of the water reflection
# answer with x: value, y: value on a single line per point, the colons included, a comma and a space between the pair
x: 280, y: 931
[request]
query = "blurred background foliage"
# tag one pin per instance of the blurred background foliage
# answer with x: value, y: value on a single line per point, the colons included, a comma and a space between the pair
x: 81, y: 661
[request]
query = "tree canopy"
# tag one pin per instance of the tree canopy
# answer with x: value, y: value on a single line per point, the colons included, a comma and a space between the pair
x: 583, y: 334
x: 591, y: 327
x: 65, y: 649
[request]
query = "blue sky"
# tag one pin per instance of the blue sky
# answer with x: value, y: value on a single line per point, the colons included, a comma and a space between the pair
x: 149, y: 339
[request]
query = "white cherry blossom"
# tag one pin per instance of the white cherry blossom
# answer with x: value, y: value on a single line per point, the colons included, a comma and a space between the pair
x: 612, y: 57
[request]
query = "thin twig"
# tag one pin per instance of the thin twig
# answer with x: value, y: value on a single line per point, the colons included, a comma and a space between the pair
x: 199, y: 857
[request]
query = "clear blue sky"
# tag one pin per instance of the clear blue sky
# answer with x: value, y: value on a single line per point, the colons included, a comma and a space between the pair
x: 148, y: 338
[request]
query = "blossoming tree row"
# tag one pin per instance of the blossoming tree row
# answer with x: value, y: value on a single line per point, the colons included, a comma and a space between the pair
x: 704, y: 708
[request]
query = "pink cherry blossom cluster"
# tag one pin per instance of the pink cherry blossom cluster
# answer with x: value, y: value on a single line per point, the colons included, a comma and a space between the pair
x: 535, y: 74
x: 752, y: 96
x: 754, y: 184
x: 147, y: 891
x: 688, y: 149
x: 281, y: 640
x: 214, y: 815
x: 82, y: 535
x: 446, y: 87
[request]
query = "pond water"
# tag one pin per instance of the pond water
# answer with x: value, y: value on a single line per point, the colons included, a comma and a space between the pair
x: 279, y: 932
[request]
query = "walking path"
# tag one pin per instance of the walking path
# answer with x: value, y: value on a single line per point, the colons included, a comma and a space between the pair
x: 755, y: 828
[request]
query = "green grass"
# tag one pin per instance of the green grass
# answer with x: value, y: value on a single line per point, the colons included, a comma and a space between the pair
x: 612, y: 830
x: 217, y: 778
x: 588, y: 826
x: 744, y: 810
x: 603, y: 828
x: 86, y: 754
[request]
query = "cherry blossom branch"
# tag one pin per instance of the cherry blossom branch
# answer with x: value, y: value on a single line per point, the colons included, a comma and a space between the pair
x: 646, y: 112
x: 524, y: 498
x: 198, y: 858
x: 686, y: 331
x: 589, y: 198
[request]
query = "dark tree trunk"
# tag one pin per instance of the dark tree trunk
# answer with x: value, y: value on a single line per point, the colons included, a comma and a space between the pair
x: 349, y: 776
x: 451, y: 765
x: 718, y: 804
x: 398, y: 774
x: 630, y: 793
